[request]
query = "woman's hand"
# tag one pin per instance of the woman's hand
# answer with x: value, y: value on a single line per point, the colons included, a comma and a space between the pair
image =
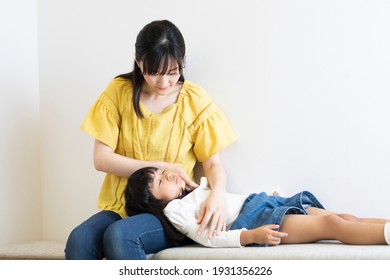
x: 213, y: 213
x: 262, y: 235
x: 191, y: 185
x: 106, y: 160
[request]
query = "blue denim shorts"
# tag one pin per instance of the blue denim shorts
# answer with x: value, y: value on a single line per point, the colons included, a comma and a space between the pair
x: 262, y: 209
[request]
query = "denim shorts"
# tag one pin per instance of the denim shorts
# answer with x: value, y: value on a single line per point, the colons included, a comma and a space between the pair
x: 262, y: 209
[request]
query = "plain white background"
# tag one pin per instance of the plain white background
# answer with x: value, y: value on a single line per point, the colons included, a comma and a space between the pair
x: 20, y: 190
x: 305, y: 85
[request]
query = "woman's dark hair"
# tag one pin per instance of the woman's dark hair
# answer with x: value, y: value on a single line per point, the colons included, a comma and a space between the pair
x: 158, y: 44
x: 139, y: 199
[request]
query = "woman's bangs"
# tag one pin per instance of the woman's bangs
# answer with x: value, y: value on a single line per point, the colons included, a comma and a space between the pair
x: 159, y: 64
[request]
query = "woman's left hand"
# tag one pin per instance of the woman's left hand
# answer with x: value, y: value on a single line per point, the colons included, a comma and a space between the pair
x: 213, y: 213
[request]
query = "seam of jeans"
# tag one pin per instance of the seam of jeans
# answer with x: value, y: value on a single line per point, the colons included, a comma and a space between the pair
x: 149, y: 231
x: 140, y: 249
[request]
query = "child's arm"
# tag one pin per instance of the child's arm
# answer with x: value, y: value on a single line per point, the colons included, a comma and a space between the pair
x: 225, y: 239
x: 262, y: 235
x: 182, y: 215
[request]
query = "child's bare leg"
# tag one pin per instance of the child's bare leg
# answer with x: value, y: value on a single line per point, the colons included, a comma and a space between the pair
x: 348, y: 217
x: 312, y: 228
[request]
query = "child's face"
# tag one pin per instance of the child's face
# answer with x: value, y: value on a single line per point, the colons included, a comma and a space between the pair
x: 167, y: 185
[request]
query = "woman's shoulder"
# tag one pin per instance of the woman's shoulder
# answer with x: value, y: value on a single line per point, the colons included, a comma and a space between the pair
x: 194, y: 92
x: 117, y: 92
x: 193, y: 100
x: 118, y: 86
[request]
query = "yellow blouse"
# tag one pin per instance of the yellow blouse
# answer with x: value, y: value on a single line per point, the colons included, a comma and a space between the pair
x: 193, y: 129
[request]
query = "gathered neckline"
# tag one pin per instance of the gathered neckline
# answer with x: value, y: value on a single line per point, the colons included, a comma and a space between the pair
x: 168, y: 108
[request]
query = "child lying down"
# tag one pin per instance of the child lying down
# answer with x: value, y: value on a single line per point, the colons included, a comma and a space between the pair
x: 258, y: 219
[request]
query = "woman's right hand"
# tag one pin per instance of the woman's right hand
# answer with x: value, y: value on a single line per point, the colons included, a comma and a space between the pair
x: 180, y: 171
x: 106, y: 160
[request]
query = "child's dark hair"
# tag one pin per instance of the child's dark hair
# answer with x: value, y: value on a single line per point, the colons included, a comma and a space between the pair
x: 158, y: 44
x: 139, y: 199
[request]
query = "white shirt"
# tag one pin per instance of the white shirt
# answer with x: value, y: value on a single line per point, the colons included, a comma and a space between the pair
x: 183, y: 214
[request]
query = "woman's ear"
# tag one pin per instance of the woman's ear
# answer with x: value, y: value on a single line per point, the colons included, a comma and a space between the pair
x: 136, y: 60
x: 138, y: 64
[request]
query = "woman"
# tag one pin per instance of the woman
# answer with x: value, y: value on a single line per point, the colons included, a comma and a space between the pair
x: 150, y: 116
x: 256, y: 219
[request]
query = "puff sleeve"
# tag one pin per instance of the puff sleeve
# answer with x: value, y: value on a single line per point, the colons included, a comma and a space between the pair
x: 103, y: 119
x: 211, y: 133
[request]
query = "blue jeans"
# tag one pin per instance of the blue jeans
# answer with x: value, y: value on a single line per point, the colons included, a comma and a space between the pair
x: 107, y: 235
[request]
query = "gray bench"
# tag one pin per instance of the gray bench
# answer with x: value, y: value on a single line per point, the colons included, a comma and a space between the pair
x: 37, y: 250
x: 325, y: 250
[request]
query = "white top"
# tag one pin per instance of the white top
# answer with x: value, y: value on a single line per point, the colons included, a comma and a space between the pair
x: 183, y: 214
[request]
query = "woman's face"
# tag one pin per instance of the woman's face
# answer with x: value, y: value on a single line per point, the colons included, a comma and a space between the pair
x: 163, y: 84
x: 167, y: 185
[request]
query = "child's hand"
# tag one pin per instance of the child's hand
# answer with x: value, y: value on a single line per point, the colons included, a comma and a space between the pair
x: 262, y: 235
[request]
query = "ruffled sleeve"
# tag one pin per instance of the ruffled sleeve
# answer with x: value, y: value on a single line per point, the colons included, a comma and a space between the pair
x: 211, y: 133
x: 103, y: 119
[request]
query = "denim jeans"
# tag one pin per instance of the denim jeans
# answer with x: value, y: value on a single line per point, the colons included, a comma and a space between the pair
x: 107, y: 235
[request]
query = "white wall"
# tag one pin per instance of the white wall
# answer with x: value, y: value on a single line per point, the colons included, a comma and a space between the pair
x: 305, y: 85
x: 20, y: 192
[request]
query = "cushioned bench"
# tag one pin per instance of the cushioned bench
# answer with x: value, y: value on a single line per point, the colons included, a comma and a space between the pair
x: 325, y: 250
x: 37, y: 250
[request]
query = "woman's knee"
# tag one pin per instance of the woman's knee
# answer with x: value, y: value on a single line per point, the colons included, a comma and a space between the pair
x: 134, y: 237
x: 114, y: 234
x: 130, y: 229
x: 82, y: 244
x: 86, y: 240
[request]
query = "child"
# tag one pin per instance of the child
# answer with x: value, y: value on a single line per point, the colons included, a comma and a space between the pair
x: 255, y: 219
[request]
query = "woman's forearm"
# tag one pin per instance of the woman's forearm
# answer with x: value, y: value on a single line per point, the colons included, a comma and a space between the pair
x: 215, y: 172
x: 106, y: 160
x: 213, y: 211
